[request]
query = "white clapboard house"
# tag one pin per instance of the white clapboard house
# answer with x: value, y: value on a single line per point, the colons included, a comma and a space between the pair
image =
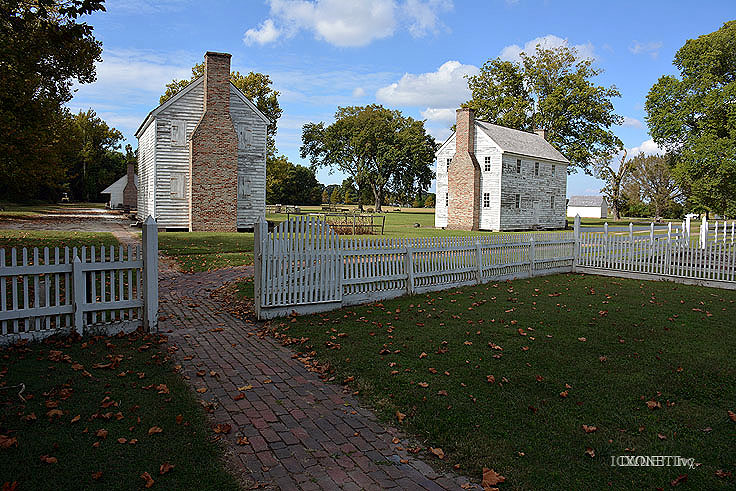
x: 587, y: 206
x: 192, y: 177
x: 490, y: 177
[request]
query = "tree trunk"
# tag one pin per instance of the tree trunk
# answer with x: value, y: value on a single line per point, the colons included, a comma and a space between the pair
x: 378, y: 195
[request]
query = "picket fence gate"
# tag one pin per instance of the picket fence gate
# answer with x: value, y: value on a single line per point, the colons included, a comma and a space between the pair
x: 303, y: 266
x: 87, y: 290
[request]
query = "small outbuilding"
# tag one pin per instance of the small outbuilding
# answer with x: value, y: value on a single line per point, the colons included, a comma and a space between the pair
x: 587, y: 206
x: 123, y: 192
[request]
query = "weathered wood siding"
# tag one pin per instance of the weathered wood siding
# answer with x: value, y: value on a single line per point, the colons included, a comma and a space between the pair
x: 146, y: 173
x: 490, y: 181
x: 535, y: 194
x: 251, y: 131
x: 440, y: 209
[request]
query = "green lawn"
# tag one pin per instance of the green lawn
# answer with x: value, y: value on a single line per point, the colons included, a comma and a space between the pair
x: 203, y: 251
x: 505, y: 376
x: 84, y: 416
x: 54, y: 238
x: 19, y: 210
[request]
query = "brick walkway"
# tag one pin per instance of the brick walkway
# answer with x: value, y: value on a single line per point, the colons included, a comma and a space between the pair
x: 302, y: 432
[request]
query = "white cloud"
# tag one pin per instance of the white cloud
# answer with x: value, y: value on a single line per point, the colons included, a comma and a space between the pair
x: 648, y: 147
x: 424, y: 16
x: 348, y: 23
x: 266, y: 33
x: 631, y: 123
x: 358, y: 92
x: 513, y: 52
x: 445, y: 115
x: 651, y: 48
x: 444, y: 88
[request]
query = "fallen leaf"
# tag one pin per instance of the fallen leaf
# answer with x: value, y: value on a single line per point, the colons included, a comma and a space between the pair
x: 76, y: 418
x: 48, y: 459
x: 179, y: 419
x: 58, y: 413
x: 7, y: 441
x: 490, y: 379
x: 423, y: 355
x: 97, y: 475
x: 582, y: 340
x: 154, y: 429
x: 723, y: 474
x: 400, y: 416
x: 165, y: 467
x: 243, y: 440
x: 222, y: 428
x: 732, y: 415
x: 438, y: 452
x: 491, y: 478
x: 654, y: 405
x: 239, y: 396
x: 661, y: 436
x: 590, y: 429
x: 122, y: 440
x: 590, y: 452
x: 680, y: 479
x: 202, y: 390
x: 147, y: 477
x: 563, y: 394
x: 101, y: 433
x: 423, y: 385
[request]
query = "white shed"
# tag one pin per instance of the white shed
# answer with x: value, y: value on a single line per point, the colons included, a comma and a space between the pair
x: 115, y: 190
x: 587, y: 207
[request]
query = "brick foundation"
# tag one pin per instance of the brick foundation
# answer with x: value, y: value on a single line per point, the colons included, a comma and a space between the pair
x: 463, y: 176
x: 214, y: 154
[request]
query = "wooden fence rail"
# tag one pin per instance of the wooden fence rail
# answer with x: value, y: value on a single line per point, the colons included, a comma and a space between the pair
x: 87, y: 290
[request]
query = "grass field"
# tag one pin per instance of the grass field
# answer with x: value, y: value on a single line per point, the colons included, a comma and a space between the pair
x: 203, y: 251
x: 54, y: 238
x: 15, y: 210
x: 546, y: 380
x: 93, y: 415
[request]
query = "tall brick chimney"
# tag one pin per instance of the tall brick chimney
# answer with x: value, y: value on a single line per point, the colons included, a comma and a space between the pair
x: 214, y: 154
x: 130, y: 192
x: 541, y: 132
x: 463, y: 176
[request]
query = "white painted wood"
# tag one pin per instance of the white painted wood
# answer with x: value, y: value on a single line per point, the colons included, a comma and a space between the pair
x: 150, y: 274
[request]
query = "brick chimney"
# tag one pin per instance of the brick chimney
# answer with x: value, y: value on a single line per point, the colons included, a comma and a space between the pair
x: 130, y: 192
x: 463, y: 176
x: 214, y: 154
x: 541, y: 132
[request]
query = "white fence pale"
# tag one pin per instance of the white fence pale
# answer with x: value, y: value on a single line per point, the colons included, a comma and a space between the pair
x: 303, y: 266
x: 708, y: 259
x: 89, y: 290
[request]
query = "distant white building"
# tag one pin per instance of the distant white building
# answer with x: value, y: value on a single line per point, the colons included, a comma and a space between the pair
x: 117, y: 191
x: 587, y: 207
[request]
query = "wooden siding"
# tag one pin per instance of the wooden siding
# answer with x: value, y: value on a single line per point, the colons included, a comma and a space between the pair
x: 535, y: 193
x: 490, y: 181
x: 440, y: 210
x: 146, y: 173
x: 251, y: 161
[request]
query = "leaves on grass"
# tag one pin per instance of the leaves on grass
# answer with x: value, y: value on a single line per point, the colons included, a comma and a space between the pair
x: 154, y: 429
x: 678, y: 480
x: 8, y: 441
x: 147, y: 477
x: 590, y: 429
x: 654, y: 405
x: 491, y: 478
x: 97, y: 475
x: 165, y: 467
x: 590, y: 452
x: 101, y: 433
x: 732, y: 415
x: 202, y: 390
x: 400, y: 416
x: 55, y: 413
x: 48, y: 459
x: 76, y: 418
x: 222, y: 428
x: 438, y: 452
x: 179, y: 419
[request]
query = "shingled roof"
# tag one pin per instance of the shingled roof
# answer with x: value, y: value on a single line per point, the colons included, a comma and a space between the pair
x: 521, y: 143
x: 586, y: 201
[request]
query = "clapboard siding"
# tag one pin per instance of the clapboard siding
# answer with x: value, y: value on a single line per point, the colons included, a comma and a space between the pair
x: 440, y: 210
x: 490, y: 181
x: 146, y: 173
x: 251, y: 162
x: 535, y: 193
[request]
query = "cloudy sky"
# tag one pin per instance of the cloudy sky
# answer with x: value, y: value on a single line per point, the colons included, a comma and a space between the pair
x: 411, y: 55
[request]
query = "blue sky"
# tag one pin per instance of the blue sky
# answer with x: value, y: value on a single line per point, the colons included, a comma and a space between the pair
x: 405, y: 54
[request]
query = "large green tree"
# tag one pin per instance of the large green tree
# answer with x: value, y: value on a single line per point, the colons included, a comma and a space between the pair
x: 290, y: 184
x: 378, y: 148
x: 44, y: 50
x: 553, y: 89
x: 615, y: 177
x: 694, y: 118
x: 255, y: 86
x: 656, y: 183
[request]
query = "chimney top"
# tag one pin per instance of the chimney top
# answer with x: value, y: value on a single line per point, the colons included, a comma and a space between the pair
x: 216, y: 53
x: 541, y: 132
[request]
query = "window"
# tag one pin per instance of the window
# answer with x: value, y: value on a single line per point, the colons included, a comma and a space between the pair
x: 245, y: 136
x: 178, y: 133
x: 552, y: 202
x: 518, y: 201
x: 178, y: 184
x: 449, y: 161
x: 554, y: 168
x: 447, y: 200
x: 518, y: 167
x: 487, y: 163
x: 486, y: 200
x: 536, y: 168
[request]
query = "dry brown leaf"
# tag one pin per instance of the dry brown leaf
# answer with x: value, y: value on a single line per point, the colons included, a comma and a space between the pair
x: 590, y: 429
x: 400, y: 416
x: 122, y: 440
x: 222, y: 428
x: 154, y: 429
x: 58, y: 413
x: 202, y: 390
x: 48, y: 459
x: 147, y: 477
x: 438, y: 452
x: 732, y: 415
x: 590, y: 452
x: 179, y: 419
x: 491, y: 478
x: 423, y: 355
x: 97, y: 475
x: 490, y: 379
x: 101, y: 433
x: 654, y: 405
x: 8, y: 441
x: 678, y: 480
x: 423, y: 385
x: 165, y: 467
x: 243, y: 440
x: 239, y: 396
x: 661, y: 436
x: 563, y: 394
x: 76, y: 418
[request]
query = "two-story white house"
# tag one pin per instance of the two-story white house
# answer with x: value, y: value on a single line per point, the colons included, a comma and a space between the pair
x: 490, y: 177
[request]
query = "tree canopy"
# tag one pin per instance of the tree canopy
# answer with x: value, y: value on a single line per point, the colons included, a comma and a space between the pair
x: 615, y: 178
x: 44, y: 50
x: 378, y: 148
x: 290, y: 184
x: 551, y: 88
x: 694, y: 118
x: 255, y: 86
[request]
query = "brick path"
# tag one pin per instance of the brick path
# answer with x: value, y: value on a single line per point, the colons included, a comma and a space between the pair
x: 302, y: 432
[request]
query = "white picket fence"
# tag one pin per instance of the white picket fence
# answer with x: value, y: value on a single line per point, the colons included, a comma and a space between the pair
x: 88, y: 290
x: 303, y: 266
x: 707, y: 259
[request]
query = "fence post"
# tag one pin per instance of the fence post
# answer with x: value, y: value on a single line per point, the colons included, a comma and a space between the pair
x: 606, y: 245
x: 78, y: 294
x: 150, y: 275
x: 686, y: 229
x: 703, y: 233
x: 409, y: 265
x: 479, y: 258
x: 260, y: 232
x: 532, y: 254
x: 576, y: 247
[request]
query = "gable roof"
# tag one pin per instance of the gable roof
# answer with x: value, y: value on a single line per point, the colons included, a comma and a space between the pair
x: 199, y: 80
x: 520, y: 142
x: 596, y: 201
x: 120, y: 184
